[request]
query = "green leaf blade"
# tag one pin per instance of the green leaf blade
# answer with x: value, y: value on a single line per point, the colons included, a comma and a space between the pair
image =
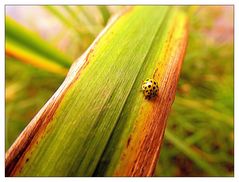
x: 29, y: 40
x: 92, y: 104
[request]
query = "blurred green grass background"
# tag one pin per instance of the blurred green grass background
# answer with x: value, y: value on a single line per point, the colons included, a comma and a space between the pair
x: 199, y: 135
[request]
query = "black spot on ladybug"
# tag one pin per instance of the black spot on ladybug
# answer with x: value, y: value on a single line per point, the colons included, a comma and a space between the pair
x: 153, y: 87
x: 149, y: 86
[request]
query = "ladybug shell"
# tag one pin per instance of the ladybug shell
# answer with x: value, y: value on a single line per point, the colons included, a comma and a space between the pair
x: 150, y: 88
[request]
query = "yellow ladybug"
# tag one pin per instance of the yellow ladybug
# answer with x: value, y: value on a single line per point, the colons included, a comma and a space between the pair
x: 150, y: 88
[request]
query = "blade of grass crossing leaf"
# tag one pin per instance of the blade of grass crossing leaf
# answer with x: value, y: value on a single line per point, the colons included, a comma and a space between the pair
x: 72, y: 13
x: 55, y: 11
x: 67, y: 21
x: 82, y: 24
x: 105, y: 13
x: 87, y: 14
x: 28, y: 56
x: 31, y: 41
